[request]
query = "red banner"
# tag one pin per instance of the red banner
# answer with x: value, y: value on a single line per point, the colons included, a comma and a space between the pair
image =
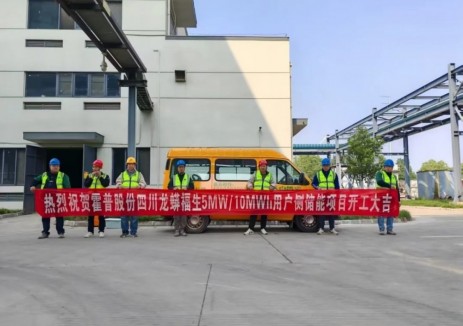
x: 135, y: 202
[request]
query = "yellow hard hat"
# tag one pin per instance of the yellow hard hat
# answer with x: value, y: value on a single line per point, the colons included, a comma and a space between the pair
x: 131, y: 160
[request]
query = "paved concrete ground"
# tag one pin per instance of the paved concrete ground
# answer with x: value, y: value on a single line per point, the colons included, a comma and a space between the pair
x: 224, y: 278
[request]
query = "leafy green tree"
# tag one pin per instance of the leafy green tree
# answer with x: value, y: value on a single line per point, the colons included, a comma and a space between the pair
x: 309, y: 164
x: 401, y: 166
x: 433, y: 165
x: 363, y: 157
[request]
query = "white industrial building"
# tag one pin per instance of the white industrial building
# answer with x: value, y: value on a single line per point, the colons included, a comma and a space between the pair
x: 207, y: 92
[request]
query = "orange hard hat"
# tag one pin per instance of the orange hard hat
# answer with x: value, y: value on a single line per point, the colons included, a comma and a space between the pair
x: 263, y: 162
x: 98, y: 163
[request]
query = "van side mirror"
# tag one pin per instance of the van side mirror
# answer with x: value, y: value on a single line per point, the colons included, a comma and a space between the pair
x: 302, y: 179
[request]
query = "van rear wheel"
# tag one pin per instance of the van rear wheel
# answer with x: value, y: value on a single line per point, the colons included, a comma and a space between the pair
x: 197, y: 223
x: 306, y: 223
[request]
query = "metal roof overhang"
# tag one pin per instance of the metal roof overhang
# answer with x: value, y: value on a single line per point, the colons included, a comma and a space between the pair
x: 298, y: 125
x: 94, y: 18
x: 409, y: 115
x: 64, y: 137
x: 185, y: 14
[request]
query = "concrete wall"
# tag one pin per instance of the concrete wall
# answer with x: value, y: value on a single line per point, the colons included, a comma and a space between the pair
x: 237, y: 90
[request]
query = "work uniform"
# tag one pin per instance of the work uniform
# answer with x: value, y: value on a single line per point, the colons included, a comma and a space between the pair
x: 48, y: 180
x: 94, y: 182
x: 130, y: 180
x: 260, y: 181
x: 386, y: 180
x: 180, y: 181
x: 325, y: 180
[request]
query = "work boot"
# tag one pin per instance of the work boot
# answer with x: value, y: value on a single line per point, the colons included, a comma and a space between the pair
x: 248, y: 232
x: 44, y: 235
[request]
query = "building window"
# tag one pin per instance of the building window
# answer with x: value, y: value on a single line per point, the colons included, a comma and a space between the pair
x: 65, y: 84
x: 102, y: 106
x: 143, y: 162
x: 116, y: 11
x: 180, y: 76
x: 47, y: 14
x: 50, y: 84
x: 81, y: 84
x: 97, y: 86
x: 44, y: 43
x: 90, y: 44
x: 12, y: 164
x: 112, y: 85
x: 41, y: 84
x: 42, y: 105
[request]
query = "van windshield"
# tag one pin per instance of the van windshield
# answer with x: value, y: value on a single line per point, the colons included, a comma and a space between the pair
x: 283, y: 172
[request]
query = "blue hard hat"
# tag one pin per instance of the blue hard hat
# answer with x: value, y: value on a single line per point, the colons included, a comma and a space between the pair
x: 180, y: 163
x: 389, y: 163
x: 326, y: 161
x: 54, y: 161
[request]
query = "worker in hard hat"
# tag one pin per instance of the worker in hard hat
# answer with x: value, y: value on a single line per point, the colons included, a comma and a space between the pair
x: 180, y: 181
x: 130, y: 179
x: 96, y: 180
x: 261, y: 180
x: 385, y: 179
x: 52, y: 179
x: 326, y: 179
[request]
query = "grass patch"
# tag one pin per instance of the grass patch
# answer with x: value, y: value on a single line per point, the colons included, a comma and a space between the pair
x: 404, y: 215
x: 430, y: 203
x: 8, y: 211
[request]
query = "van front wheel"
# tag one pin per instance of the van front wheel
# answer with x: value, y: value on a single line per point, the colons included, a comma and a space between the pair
x: 306, y: 223
x: 197, y: 224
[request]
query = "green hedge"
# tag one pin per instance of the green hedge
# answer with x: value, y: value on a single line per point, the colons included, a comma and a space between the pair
x: 404, y: 215
x: 8, y: 211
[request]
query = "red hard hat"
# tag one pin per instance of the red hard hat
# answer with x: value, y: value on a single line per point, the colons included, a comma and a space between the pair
x: 98, y: 163
x: 262, y: 162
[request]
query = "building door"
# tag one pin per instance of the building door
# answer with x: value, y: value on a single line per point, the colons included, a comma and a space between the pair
x: 36, y: 163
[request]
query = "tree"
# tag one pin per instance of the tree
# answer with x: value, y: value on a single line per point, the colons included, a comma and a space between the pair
x: 432, y: 165
x: 309, y: 164
x: 401, y: 166
x: 363, y: 157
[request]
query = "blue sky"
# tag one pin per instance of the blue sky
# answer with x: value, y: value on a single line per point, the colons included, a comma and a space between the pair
x: 349, y: 56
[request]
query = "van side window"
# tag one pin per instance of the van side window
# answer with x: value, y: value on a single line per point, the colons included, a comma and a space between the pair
x: 197, y: 169
x: 283, y: 172
x: 234, y: 170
